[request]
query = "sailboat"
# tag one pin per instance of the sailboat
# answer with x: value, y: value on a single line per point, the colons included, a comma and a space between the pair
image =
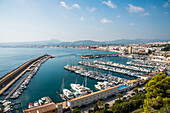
x: 62, y: 87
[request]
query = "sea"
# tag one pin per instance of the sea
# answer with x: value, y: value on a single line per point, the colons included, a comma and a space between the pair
x: 49, y: 78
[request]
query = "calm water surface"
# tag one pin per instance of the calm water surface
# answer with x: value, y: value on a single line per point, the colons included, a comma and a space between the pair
x: 49, y: 78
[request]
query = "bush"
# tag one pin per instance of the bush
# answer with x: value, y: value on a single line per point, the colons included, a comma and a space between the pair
x: 76, y: 110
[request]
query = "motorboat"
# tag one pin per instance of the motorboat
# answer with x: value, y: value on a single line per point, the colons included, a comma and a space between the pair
x: 30, y: 105
x: 68, y: 93
x: 36, y: 104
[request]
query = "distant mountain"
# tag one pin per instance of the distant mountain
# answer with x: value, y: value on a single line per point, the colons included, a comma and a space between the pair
x: 82, y: 42
x: 31, y: 43
x: 55, y: 42
x: 135, y: 41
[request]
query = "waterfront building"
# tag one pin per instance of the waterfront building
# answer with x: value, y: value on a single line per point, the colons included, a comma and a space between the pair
x: 83, y: 100
x: 50, y: 107
x: 130, y: 50
x: 94, y: 97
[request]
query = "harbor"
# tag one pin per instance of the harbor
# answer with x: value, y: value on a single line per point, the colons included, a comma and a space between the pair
x: 95, y: 75
x: 123, y: 66
x: 99, y: 56
x: 108, y: 68
x: 27, y: 71
x: 89, y: 79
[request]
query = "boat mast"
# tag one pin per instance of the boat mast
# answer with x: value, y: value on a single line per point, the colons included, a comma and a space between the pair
x: 76, y: 80
x: 62, y: 86
x: 86, y: 81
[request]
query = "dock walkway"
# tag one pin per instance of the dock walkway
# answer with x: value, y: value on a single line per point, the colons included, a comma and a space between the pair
x: 9, y: 79
x: 99, y: 55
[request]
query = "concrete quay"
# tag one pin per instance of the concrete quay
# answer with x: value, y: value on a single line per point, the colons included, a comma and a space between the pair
x: 10, y: 78
x: 99, y: 56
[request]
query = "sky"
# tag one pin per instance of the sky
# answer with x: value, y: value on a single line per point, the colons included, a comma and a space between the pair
x: 71, y: 20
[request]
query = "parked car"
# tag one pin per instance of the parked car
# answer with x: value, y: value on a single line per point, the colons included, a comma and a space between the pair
x: 132, y: 94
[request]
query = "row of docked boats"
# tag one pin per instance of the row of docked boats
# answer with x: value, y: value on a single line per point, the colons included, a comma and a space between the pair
x: 7, y: 106
x: 40, y: 102
x: 23, y: 86
x: 103, y: 85
x: 139, y: 64
x: 95, y: 75
x: 123, y: 66
x: 113, y: 69
x: 151, y: 63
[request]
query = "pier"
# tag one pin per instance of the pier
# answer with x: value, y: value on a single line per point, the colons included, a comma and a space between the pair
x: 113, y: 69
x: 99, y: 56
x: 10, y: 78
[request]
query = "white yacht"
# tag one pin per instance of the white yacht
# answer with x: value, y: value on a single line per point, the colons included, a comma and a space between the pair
x: 80, y: 89
x: 102, y: 85
x: 68, y: 93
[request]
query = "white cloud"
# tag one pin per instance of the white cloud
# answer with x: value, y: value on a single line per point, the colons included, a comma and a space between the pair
x: 63, y: 4
x: 118, y: 16
x: 93, y: 9
x: 101, y: 29
x: 76, y: 6
x: 166, y: 12
x: 134, y: 9
x: 145, y: 14
x: 82, y: 18
x: 132, y: 24
x: 166, y: 4
x: 110, y: 4
x: 104, y: 20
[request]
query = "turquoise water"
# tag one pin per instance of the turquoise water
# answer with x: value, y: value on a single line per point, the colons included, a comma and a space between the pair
x: 122, y: 86
x: 49, y: 78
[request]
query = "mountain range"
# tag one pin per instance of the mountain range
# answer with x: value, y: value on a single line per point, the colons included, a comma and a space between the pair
x: 55, y: 42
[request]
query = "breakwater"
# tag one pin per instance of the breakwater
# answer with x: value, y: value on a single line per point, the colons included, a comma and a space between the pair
x: 10, y: 78
x: 99, y: 55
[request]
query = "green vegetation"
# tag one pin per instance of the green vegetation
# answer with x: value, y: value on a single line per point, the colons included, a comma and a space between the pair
x: 76, y: 110
x: 156, y: 99
x: 158, y: 94
x: 166, y: 48
x: 119, y: 96
x: 135, y: 90
x: 143, y: 53
x: 129, y: 105
x: 101, y: 108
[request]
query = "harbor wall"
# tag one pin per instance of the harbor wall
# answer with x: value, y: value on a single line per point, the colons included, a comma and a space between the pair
x: 13, y: 74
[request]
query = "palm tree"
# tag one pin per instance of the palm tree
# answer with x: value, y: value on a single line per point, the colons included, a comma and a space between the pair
x: 135, y: 90
x: 119, y: 96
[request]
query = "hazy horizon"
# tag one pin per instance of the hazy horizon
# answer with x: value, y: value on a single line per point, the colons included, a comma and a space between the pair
x: 74, y: 20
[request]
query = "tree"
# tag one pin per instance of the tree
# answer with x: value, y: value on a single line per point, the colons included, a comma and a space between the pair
x: 76, y: 110
x: 135, y: 90
x: 119, y: 96
x: 157, y: 95
x: 100, y: 103
x: 96, y: 108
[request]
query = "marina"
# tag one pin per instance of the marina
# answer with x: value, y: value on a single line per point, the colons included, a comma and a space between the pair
x: 139, y: 64
x: 99, y: 56
x: 123, y: 66
x: 95, y: 75
x: 108, y: 68
x: 22, y: 85
x: 50, y: 72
